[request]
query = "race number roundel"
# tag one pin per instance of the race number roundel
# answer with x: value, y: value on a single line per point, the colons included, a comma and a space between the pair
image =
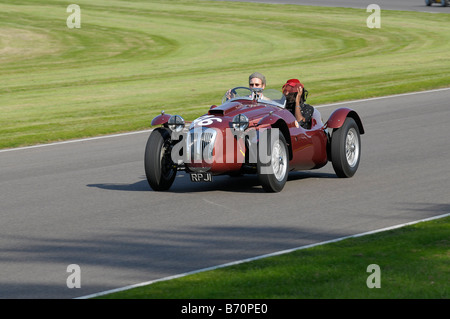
x: 206, y: 120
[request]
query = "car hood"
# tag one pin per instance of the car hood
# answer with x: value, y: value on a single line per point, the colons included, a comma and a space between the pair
x: 221, y: 116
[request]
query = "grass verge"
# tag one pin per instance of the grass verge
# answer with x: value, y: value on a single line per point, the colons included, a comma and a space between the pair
x: 131, y: 59
x: 414, y: 263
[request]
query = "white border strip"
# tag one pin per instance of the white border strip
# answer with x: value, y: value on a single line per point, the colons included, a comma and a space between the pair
x: 259, y: 257
x: 74, y: 141
x: 384, y: 97
x: 149, y: 130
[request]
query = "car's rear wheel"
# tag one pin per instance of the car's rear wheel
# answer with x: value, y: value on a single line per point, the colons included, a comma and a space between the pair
x: 428, y: 2
x: 346, y: 148
x: 159, y: 167
x: 273, y: 171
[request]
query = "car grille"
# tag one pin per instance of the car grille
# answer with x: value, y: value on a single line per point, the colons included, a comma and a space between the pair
x: 201, y: 144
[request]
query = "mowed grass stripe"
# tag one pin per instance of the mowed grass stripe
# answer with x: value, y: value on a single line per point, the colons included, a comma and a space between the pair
x: 132, y: 59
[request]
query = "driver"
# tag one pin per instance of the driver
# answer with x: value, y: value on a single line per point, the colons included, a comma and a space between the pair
x: 296, y: 95
x: 255, y: 80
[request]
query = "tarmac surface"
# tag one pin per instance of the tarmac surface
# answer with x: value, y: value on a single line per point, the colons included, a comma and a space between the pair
x: 88, y: 203
x: 403, y: 5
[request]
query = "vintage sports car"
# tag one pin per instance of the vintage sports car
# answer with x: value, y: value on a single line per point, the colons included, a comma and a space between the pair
x: 443, y: 3
x: 251, y: 132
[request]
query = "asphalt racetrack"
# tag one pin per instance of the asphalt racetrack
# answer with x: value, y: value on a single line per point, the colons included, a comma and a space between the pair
x: 403, y: 5
x: 88, y: 203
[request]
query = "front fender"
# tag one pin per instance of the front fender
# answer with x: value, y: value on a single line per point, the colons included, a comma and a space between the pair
x: 276, y: 121
x: 161, y: 119
x: 337, y: 118
x: 269, y: 119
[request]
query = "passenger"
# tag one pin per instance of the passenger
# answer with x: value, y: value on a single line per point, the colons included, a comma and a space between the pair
x: 296, y: 95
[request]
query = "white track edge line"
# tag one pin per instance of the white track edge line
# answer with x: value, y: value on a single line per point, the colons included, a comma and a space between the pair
x: 384, y: 97
x: 149, y: 130
x: 282, y: 252
x: 75, y: 141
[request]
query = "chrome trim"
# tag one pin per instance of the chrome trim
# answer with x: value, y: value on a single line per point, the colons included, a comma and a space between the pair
x: 200, y: 144
x: 352, y: 147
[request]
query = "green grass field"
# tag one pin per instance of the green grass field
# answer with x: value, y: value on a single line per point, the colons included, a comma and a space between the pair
x: 414, y: 263
x: 132, y: 59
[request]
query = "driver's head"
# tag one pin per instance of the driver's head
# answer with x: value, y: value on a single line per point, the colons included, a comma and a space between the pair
x: 257, y: 80
x: 290, y: 89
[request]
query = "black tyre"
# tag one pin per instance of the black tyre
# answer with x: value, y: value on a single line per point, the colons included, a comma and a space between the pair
x: 346, y: 148
x: 159, y: 167
x: 273, y: 172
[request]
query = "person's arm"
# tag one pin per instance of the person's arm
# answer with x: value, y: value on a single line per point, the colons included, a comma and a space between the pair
x: 298, y: 114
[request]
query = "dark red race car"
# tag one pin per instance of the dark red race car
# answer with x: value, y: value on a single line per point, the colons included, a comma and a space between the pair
x: 251, y: 132
x: 443, y: 3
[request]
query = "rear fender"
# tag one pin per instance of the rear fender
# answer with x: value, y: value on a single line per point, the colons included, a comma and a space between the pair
x: 337, y: 118
x: 161, y: 119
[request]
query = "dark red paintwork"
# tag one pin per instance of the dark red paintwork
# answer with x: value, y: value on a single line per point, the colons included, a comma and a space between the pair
x: 161, y: 119
x: 308, y: 148
x: 338, y: 117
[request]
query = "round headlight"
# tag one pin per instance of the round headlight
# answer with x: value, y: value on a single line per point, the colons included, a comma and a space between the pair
x: 240, y: 122
x: 176, y: 123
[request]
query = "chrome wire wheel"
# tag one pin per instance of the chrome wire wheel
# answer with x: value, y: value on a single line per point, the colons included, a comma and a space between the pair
x: 352, y: 147
x: 345, y: 148
x: 279, y: 161
x: 273, y: 173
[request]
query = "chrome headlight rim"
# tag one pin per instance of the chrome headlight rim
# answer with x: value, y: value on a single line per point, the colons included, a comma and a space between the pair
x: 176, y: 123
x: 240, y: 122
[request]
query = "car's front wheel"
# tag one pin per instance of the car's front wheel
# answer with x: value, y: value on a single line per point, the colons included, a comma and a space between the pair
x: 346, y: 148
x: 159, y: 167
x: 273, y: 161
